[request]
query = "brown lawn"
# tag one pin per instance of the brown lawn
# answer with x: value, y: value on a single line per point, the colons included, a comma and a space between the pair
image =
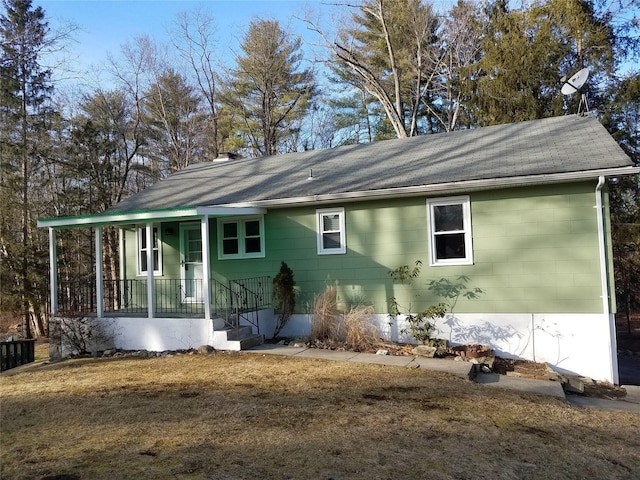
x: 246, y: 416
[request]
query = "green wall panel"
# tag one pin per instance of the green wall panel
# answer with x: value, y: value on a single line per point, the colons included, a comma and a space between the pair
x: 535, y: 250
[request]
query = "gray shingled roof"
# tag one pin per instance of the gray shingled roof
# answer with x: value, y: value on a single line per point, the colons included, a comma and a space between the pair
x: 538, y: 147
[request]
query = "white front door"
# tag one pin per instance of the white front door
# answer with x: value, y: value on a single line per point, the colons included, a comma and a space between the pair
x: 191, y: 262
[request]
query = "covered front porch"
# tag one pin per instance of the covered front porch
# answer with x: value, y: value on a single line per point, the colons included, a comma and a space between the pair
x: 142, y: 299
x: 129, y: 297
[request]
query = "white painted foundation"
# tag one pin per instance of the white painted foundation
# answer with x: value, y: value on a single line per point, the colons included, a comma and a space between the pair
x: 581, y: 344
x: 160, y: 334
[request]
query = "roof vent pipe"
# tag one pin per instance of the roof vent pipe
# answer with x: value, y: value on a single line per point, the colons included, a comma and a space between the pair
x: 310, y: 177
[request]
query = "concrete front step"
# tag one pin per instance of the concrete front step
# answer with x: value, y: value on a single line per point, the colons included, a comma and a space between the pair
x: 236, y: 339
x: 239, y: 333
x: 252, y: 341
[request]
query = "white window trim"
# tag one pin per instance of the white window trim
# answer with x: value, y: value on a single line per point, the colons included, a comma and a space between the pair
x: 319, y: 231
x: 157, y: 272
x: 241, y: 237
x: 465, y: 201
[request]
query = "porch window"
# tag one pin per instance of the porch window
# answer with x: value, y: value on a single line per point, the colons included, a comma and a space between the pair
x: 450, y: 236
x: 143, y: 245
x: 241, y: 237
x: 331, y: 231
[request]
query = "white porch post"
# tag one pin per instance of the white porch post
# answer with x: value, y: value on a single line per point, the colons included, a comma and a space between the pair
x: 99, y: 274
x: 121, y: 273
x: 121, y: 247
x: 53, y: 271
x: 150, y: 268
x: 206, y: 271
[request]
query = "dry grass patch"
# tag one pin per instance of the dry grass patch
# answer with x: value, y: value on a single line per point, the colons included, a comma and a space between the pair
x: 232, y: 416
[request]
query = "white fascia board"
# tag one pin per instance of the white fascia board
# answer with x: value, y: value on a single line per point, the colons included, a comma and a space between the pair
x: 117, y: 218
x: 450, y: 187
x: 159, y: 215
x: 231, y: 210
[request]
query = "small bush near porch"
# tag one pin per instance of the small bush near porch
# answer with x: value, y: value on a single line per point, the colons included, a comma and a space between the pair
x: 233, y: 416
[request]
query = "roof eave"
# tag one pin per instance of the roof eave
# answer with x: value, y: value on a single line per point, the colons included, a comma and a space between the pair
x: 260, y: 206
x: 446, y: 188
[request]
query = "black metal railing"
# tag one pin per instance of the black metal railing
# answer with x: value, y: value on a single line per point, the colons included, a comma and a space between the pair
x: 253, y: 293
x: 232, y: 303
x: 16, y: 353
x: 125, y: 295
x: 179, y: 296
x: 222, y: 304
x: 76, y: 297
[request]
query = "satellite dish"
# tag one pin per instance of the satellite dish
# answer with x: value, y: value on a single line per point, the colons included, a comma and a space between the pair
x: 575, y: 84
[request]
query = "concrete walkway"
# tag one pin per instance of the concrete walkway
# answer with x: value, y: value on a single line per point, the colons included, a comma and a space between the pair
x: 459, y: 369
x: 631, y: 402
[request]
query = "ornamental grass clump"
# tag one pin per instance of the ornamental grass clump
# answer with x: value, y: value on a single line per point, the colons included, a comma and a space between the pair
x: 353, y: 329
x: 359, y: 333
x: 325, y: 313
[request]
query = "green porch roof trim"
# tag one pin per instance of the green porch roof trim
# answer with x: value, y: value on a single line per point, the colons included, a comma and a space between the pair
x: 171, y: 213
x: 551, y: 150
x: 109, y: 217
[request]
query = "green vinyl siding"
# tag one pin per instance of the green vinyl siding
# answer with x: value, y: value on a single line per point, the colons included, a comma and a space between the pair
x: 535, y: 250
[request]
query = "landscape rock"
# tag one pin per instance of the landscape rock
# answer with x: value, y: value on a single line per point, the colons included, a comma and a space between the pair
x: 206, y: 350
x: 109, y: 353
x: 382, y: 352
x: 424, y: 351
x: 573, y: 385
x: 299, y: 342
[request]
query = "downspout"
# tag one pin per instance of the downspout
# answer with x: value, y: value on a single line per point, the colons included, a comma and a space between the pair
x: 604, y: 279
x: 602, y: 246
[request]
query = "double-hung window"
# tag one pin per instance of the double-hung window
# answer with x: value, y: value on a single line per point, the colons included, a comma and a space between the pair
x: 144, y: 245
x: 331, y: 231
x: 450, y: 239
x: 241, y: 237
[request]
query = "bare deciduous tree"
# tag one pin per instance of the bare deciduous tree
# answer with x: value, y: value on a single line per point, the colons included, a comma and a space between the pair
x: 390, y: 49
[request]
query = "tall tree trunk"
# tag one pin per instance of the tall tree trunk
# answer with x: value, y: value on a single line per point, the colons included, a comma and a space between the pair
x: 25, y: 217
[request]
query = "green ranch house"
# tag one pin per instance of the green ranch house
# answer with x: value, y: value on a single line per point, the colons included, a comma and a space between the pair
x: 521, y: 210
